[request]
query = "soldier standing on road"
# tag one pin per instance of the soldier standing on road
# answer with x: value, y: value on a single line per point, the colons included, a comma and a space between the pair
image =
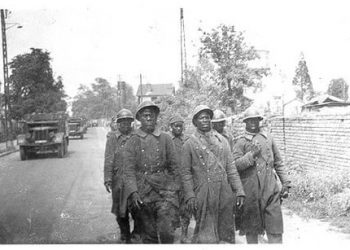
x: 210, y: 180
x: 151, y: 167
x: 219, y: 123
x: 121, y: 132
x: 179, y: 138
x: 258, y: 159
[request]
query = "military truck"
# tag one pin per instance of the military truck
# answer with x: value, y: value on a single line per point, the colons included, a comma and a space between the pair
x: 77, y: 127
x: 43, y: 133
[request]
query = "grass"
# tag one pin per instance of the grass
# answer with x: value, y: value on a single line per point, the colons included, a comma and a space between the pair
x: 320, y: 195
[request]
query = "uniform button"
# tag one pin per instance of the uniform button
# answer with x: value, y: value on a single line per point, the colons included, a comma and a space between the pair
x: 208, y: 179
x: 145, y: 165
x: 158, y: 164
x: 157, y: 149
x: 208, y: 170
x: 146, y: 172
x: 203, y: 163
x: 142, y: 150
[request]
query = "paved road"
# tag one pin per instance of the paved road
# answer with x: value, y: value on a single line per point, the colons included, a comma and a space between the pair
x: 52, y: 200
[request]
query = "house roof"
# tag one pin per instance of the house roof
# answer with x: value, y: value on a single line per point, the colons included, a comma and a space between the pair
x: 325, y: 100
x: 156, y: 89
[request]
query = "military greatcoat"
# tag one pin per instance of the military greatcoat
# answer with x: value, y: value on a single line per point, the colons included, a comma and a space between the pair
x: 262, y: 209
x: 208, y: 173
x: 113, y: 169
x: 150, y: 169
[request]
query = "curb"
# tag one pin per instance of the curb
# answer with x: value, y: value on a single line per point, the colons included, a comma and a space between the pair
x: 8, y: 152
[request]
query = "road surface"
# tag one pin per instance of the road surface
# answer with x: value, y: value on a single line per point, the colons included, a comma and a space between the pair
x: 53, y: 200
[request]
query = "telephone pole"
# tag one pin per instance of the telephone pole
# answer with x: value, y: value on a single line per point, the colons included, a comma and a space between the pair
x: 7, y: 130
x: 183, y: 49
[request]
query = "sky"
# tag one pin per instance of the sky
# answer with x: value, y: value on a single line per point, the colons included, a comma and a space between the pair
x: 119, y: 40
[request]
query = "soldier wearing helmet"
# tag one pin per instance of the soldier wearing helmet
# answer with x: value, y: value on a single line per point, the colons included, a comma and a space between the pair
x: 257, y: 159
x: 113, y: 171
x: 210, y: 180
x: 179, y: 138
x: 150, y: 170
x: 219, y: 123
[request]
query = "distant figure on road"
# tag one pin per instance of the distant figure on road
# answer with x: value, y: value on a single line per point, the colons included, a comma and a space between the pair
x: 219, y: 123
x: 210, y: 180
x: 151, y: 167
x: 179, y: 138
x: 257, y: 159
x: 121, y: 132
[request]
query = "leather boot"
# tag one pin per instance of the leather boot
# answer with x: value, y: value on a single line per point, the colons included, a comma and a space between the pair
x: 124, y: 227
x: 252, y: 238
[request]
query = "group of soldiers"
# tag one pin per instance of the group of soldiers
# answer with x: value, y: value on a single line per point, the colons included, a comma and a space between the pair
x: 162, y: 179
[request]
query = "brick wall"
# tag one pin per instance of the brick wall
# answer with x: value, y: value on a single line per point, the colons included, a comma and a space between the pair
x: 318, y: 142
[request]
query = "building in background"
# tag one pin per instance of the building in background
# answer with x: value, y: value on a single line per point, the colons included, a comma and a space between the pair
x: 152, y: 91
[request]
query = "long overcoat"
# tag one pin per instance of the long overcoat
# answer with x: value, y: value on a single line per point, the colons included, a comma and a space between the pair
x: 151, y: 167
x: 114, y: 170
x: 262, y: 209
x: 208, y: 173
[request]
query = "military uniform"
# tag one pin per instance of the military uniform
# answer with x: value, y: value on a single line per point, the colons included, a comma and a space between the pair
x: 113, y: 172
x: 185, y: 216
x: 150, y: 170
x: 208, y: 173
x: 262, y: 209
x: 229, y: 137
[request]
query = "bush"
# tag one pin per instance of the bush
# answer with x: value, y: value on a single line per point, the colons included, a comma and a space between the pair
x: 319, y: 194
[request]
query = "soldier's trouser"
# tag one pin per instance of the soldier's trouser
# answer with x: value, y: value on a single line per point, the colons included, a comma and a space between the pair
x: 124, y: 227
x: 157, y: 220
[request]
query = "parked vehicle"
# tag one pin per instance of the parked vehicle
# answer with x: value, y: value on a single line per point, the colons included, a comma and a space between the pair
x: 77, y: 127
x: 43, y: 133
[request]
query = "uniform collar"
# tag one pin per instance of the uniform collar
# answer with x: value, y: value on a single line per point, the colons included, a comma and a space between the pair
x: 249, y: 136
x: 142, y: 133
x: 118, y: 134
x: 208, y: 134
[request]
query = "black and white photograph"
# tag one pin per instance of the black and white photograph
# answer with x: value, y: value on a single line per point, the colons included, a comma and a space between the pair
x: 175, y: 122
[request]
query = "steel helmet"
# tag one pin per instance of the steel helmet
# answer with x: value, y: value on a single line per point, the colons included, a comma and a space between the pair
x: 199, y: 109
x: 218, y: 116
x: 146, y: 104
x: 124, y: 114
x: 176, y: 118
x: 252, y: 113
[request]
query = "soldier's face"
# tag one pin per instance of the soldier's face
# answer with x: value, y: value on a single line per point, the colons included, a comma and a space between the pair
x: 124, y: 126
x: 219, y: 126
x: 148, y: 119
x: 177, y: 128
x: 202, y: 121
x: 114, y: 126
x: 252, y: 125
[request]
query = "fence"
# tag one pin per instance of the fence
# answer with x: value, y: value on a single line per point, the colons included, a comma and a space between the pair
x: 319, y: 142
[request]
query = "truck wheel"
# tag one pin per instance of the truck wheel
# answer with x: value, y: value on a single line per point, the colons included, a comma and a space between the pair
x: 60, y: 151
x: 82, y: 136
x: 23, y: 154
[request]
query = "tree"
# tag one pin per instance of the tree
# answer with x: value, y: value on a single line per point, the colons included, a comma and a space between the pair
x: 32, y: 85
x: 338, y: 88
x: 232, y: 57
x: 101, y: 100
x: 302, y: 81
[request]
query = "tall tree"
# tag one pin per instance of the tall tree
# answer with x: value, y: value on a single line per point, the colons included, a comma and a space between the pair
x: 233, y: 59
x: 302, y: 81
x: 32, y: 85
x: 338, y: 88
x: 101, y: 100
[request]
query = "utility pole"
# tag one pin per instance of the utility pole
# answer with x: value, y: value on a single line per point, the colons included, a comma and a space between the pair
x: 140, y: 98
x: 183, y: 49
x: 8, y: 132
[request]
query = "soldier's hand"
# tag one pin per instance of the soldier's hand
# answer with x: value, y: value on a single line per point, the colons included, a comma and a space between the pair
x: 255, y: 150
x: 108, y: 186
x: 192, y: 205
x: 136, y: 201
x: 284, y: 192
x: 240, y: 202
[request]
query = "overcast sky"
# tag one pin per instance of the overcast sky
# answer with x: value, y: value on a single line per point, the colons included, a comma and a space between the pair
x: 112, y: 39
